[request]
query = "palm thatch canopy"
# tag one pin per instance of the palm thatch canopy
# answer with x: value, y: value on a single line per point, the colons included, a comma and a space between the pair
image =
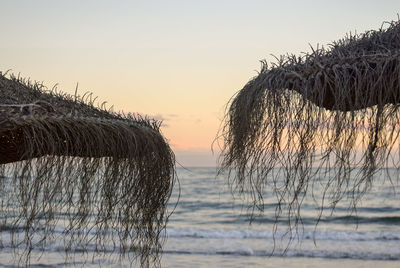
x: 103, y: 176
x: 330, y: 116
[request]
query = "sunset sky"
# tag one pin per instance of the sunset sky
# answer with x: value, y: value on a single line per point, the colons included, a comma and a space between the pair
x: 179, y: 61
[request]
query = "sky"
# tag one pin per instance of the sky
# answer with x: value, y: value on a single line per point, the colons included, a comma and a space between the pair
x: 176, y: 61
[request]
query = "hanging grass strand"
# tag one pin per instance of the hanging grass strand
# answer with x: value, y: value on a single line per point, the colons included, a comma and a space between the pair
x: 332, y: 113
x: 104, y: 176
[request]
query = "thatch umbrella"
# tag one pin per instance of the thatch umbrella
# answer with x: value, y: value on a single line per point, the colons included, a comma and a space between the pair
x: 106, y: 177
x: 329, y: 113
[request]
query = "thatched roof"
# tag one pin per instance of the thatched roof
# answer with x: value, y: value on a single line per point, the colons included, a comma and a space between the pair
x: 333, y: 112
x: 355, y: 72
x: 102, y: 172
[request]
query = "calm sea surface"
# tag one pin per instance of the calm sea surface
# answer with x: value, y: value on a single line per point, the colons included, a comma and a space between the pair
x: 210, y: 228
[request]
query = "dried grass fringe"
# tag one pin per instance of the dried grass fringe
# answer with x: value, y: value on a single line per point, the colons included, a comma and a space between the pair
x: 106, y: 177
x: 332, y: 113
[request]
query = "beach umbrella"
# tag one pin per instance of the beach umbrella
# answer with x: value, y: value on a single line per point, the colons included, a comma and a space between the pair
x: 104, y: 177
x: 328, y: 117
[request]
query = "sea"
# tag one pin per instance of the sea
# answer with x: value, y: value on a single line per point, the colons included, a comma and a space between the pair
x: 214, y: 226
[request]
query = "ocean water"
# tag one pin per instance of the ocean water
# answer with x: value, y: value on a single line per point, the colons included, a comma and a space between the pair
x: 210, y: 228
